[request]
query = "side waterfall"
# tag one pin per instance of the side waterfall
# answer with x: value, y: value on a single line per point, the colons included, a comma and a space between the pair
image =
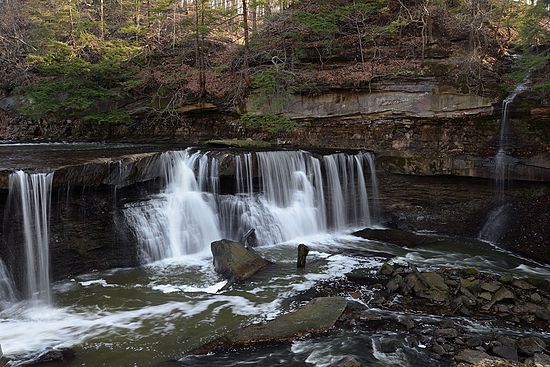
x: 33, y: 193
x: 7, y: 288
x: 281, y: 194
x: 498, y: 218
x: 503, y: 158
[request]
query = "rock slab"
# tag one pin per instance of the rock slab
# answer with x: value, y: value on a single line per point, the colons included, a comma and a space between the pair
x: 317, y: 316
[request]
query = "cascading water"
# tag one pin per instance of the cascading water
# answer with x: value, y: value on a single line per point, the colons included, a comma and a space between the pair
x: 503, y: 158
x: 182, y: 220
x: 493, y: 228
x: 282, y: 195
x: 33, y: 193
x: 7, y: 288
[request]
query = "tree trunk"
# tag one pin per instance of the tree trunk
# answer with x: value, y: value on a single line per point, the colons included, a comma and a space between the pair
x: 102, y: 19
x: 245, y: 57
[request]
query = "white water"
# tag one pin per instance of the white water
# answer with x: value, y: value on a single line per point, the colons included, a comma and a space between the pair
x: 182, y: 220
x: 503, y: 159
x: 7, y: 287
x: 282, y: 195
x: 32, y: 192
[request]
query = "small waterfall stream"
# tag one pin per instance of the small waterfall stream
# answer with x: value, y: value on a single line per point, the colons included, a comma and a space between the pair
x: 281, y: 194
x: 33, y: 193
x: 497, y: 219
x: 503, y: 158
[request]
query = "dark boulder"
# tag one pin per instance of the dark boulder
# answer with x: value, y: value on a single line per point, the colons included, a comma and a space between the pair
x: 235, y: 262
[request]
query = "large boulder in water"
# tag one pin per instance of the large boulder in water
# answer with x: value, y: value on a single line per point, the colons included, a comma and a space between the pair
x: 317, y: 316
x: 235, y: 262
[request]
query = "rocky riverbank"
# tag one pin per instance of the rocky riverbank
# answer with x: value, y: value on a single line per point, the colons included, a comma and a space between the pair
x: 457, y: 317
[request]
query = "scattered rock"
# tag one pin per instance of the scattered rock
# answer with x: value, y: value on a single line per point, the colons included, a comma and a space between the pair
x: 506, y: 278
x: 486, y: 296
x: 501, y: 295
x: 386, y: 269
x: 347, y: 361
x: 506, y: 351
x: 388, y: 345
x: 531, y: 345
x: 473, y: 342
x: 446, y: 333
x: 407, y: 323
x: 535, y: 297
x: 521, y: 284
x: 491, y: 287
x: 472, y: 356
x: 49, y: 356
x: 235, y: 262
x: 539, y: 360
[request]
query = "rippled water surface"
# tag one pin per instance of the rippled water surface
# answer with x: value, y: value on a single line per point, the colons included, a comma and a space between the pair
x: 152, y: 314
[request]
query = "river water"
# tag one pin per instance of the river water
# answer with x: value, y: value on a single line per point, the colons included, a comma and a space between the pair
x: 152, y: 314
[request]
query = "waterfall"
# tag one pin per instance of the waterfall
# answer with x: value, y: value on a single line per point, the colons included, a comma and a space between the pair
x: 281, y: 194
x: 7, y: 288
x: 33, y: 193
x: 497, y: 220
x: 181, y: 220
x: 503, y: 158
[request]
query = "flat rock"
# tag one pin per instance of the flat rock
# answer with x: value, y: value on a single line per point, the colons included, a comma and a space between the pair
x: 507, y: 352
x: 235, y: 262
x: 531, y: 345
x: 347, y: 361
x: 522, y: 284
x: 396, y: 237
x: 317, y: 316
x: 491, y: 287
x: 472, y: 356
x: 539, y: 360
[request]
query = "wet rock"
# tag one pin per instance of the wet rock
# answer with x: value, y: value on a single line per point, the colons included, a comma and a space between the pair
x: 434, y: 280
x: 473, y: 342
x: 504, y: 340
x: 535, y: 297
x: 347, y: 361
x: 388, y: 345
x: 491, y: 287
x: 386, y: 269
x: 506, y: 278
x: 538, y: 360
x: 49, y: 356
x: 317, y: 316
x: 501, y: 295
x: 506, y: 351
x: 394, y: 284
x: 235, y: 262
x: 360, y: 276
x: 446, y: 333
x: 531, y: 345
x: 397, y: 237
x: 486, y: 296
x: 521, y: 284
x: 472, y: 356
x: 438, y: 349
x: 470, y: 283
x: 407, y: 323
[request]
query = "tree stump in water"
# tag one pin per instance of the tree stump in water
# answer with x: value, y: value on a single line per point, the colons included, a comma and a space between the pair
x: 303, y: 250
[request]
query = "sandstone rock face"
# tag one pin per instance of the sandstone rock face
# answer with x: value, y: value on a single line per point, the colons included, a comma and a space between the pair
x: 421, y: 98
